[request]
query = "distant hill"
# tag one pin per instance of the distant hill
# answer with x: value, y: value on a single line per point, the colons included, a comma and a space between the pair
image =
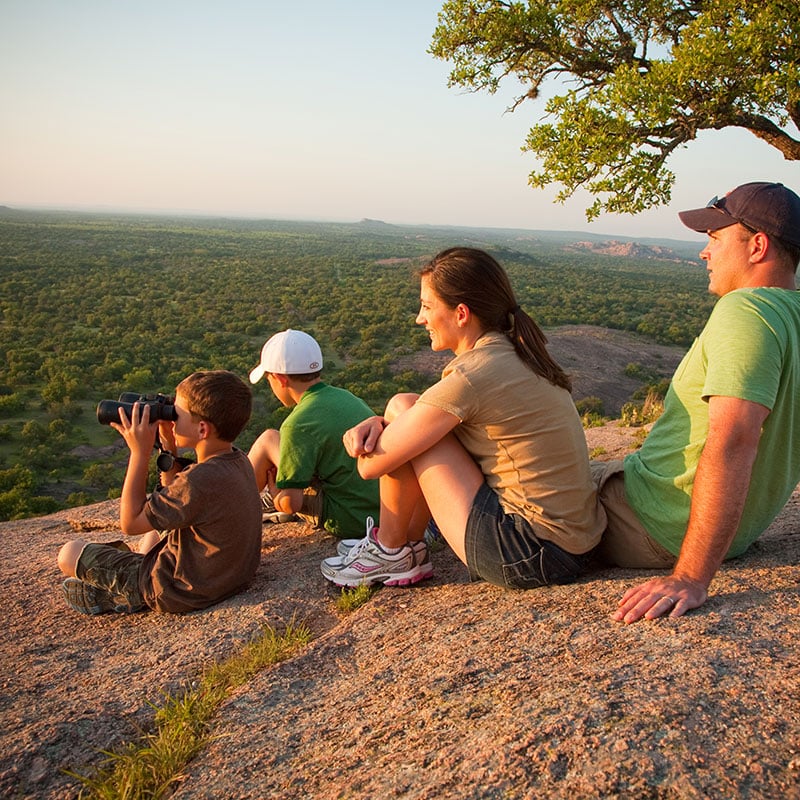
x: 664, y: 249
x: 628, y: 249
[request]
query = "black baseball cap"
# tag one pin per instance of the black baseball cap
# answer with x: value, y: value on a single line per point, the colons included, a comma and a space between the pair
x: 767, y: 207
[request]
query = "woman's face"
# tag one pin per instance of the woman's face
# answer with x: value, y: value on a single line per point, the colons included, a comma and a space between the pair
x: 438, y: 319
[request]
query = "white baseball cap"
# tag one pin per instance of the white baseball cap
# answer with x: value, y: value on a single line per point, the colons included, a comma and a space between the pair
x: 288, y: 353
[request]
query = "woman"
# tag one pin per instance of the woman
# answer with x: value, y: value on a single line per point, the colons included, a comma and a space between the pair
x: 494, y: 451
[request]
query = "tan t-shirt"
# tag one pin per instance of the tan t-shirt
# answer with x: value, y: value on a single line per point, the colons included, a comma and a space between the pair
x: 526, y: 437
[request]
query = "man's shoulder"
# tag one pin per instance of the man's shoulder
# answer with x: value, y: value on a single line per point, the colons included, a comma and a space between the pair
x: 757, y: 307
x: 759, y: 297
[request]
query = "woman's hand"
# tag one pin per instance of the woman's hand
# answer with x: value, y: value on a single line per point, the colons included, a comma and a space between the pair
x: 361, y: 439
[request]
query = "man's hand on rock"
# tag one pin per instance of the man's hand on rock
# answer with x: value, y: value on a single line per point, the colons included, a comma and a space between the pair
x: 672, y: 596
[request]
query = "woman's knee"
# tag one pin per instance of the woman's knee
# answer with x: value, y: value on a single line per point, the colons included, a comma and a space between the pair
x: 398, y: 404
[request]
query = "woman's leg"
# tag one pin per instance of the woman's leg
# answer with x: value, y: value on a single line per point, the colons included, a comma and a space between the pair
x: 404, y: 513
x: 449, y: 480
x: 443, y: 481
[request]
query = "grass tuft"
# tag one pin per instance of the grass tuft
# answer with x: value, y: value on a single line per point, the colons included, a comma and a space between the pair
x: 152, y: 766
x: 351, y: 599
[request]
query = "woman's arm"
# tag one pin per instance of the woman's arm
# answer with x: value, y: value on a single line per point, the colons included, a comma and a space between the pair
x: 412, y: 432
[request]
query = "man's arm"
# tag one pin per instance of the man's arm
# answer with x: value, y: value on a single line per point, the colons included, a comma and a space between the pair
x: 718, y: 496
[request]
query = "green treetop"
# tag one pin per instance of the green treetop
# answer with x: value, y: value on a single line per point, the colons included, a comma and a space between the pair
x: 636, y: 80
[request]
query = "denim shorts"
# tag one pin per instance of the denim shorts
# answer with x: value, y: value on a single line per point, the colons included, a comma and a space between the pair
x: 115, y: 568
x: 503, y: 549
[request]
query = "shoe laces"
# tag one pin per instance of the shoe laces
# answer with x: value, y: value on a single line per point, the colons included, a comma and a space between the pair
x: 363, y: 544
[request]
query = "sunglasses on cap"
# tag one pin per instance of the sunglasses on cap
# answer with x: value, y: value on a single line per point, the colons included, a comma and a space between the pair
x: 720, y: 204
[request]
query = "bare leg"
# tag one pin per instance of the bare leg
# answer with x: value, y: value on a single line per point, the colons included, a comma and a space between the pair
x: 404, y: 513
x: 443, y: 481
x: 264, y: 455
x: 402, y: 508
x: 68, y: 556
x: 449, y: 480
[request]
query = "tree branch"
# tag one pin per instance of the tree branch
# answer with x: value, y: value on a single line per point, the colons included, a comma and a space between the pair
x: 769, y: 132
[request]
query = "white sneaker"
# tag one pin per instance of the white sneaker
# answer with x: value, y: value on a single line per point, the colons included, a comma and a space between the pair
x: 420, y: 548
x: 367, y: 563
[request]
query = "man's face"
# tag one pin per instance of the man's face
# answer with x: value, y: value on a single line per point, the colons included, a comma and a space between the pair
x: 727, y: 257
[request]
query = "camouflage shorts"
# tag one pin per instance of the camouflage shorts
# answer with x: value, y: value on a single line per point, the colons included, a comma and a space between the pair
x: 115, y: 568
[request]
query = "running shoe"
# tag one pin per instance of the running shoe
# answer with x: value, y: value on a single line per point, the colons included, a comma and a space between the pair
x: 419, y: 547
x: 369, y: 563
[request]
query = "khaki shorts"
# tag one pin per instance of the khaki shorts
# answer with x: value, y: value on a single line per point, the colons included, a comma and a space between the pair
x: 311, y: 510
x: 625, y: 542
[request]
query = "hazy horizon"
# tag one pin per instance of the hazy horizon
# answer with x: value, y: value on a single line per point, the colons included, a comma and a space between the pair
x: 197, y: 215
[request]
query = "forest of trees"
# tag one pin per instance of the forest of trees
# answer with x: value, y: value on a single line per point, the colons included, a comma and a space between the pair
x: 94, y: 305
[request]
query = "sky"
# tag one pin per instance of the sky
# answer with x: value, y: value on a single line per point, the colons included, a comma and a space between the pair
x: 314, y: 110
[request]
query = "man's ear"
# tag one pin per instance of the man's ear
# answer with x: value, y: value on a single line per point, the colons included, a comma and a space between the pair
x: 283, y: 380
x: 759, y: 245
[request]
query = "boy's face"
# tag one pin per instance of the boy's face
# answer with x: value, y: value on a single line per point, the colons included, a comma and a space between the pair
x: 279, y: 389
x: 186, y: 427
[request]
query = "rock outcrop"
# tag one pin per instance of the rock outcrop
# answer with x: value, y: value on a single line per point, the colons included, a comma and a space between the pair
x: 446, y: 690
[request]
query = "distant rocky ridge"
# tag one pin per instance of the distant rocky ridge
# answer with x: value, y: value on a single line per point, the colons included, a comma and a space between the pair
x: 613, y: 247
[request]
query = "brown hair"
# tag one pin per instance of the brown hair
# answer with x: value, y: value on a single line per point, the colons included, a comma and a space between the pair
x: 787, y: 254
x: 472, y: 277
x: 218, y: 397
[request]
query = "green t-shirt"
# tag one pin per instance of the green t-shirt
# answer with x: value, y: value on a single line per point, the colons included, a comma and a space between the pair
x: 750, y: 349
x: 312, y: 453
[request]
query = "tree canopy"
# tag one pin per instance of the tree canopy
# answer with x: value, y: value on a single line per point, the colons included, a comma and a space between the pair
x: 94, y: 305
x: 636, y: 79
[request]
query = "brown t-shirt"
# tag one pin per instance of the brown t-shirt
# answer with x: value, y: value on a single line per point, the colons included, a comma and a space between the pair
x: 212, y: 511
x: 526, y: 437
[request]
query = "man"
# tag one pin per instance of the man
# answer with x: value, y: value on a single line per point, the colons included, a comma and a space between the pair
x: 724, y: 457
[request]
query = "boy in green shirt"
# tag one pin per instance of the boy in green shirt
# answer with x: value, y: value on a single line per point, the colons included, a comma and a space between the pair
x: 304, y: 466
